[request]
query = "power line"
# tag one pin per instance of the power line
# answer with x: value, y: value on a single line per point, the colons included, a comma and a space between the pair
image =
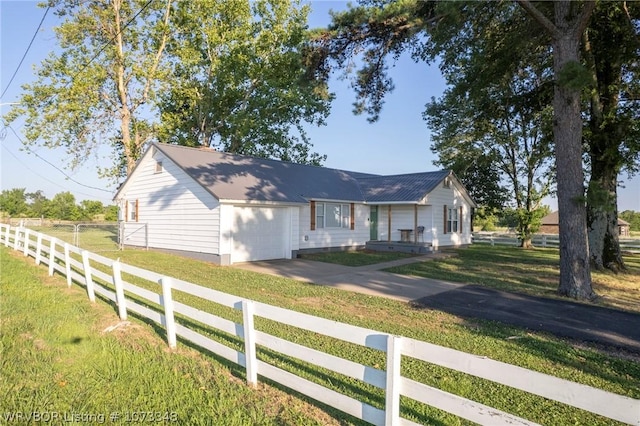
x: 25, y: 53
x: 53, y: 165
x: 93, y: 196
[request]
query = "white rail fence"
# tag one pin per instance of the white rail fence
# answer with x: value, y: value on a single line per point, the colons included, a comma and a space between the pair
x: 64, y: 258
x: 541, y: 240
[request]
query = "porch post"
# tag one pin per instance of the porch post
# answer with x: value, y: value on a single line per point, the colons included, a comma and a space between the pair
x: 389, y: 223
x: 415, y: 224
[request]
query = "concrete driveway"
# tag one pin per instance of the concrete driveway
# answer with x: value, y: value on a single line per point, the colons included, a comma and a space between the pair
x: 361, y: 279
x: 578, y: 321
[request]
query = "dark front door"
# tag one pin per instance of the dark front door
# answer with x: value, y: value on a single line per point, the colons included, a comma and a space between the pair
x: 373, y: 223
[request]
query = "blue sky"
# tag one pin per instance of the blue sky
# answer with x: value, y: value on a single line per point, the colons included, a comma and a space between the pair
x: 398, y: 143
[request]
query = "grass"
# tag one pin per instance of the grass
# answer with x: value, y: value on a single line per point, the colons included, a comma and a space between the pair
x: 57, y: 360
x: 534, y: 272
x: 356, y: 258
x: 97, y: 237
x: 536, y: 351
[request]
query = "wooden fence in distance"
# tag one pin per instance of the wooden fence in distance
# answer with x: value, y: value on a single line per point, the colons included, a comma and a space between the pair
x: 83, y: 268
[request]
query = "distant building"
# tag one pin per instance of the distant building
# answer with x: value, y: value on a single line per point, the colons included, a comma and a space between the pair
x: 550, y: 225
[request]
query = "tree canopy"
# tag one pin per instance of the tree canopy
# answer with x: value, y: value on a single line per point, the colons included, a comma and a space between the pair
x: 483, y: 49
x: 240, y: 82
x: 17, y: 202
x: 227, y: 74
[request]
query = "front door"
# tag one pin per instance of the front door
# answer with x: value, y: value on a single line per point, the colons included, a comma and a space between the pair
x: 373, y: 223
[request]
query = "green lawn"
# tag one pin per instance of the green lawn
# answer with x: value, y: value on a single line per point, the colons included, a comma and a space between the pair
x: 56, y: 360
x: 533, y: 272
x: 536, y: 351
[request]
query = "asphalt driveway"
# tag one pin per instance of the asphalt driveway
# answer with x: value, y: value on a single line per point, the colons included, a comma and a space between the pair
x: 578, y: 321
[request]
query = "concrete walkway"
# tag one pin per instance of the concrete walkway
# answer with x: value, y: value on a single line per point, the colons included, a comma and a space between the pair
x: 577, y: 321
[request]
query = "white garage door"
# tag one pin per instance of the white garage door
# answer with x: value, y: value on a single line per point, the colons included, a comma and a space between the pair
x: 259, y: 233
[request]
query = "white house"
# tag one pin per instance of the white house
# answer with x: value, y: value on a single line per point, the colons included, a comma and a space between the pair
x: 232, y: 208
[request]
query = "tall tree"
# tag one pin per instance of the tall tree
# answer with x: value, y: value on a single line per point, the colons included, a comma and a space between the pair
x: 379, y: 29
x: 96, y: 88
x: 496, y: 109
x: 611, y: 49
x: 38, y: 204
x: 13, y: 202
x: 240, y: 82
x: 63, y: 206
x: 566, y: 29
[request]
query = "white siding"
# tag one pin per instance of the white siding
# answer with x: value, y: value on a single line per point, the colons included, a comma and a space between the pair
x: 403, y: 217
x: 180, y: 214
x: 451, y: 197
x: 333, y: 237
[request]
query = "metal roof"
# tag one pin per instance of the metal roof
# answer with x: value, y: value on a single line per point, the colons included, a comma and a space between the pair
x: 236, y: 177
x: 401, y: 188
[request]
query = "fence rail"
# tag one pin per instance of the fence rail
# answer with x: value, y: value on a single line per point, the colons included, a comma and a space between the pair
x: 630, y: 245
x: 89, y: 270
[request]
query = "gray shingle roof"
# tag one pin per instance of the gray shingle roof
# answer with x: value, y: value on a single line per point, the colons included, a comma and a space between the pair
x: 236, y: 177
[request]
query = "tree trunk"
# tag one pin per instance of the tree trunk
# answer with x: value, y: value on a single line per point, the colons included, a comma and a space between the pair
x: 570, y: 21
x: 606, y: 138
x: 575, y: 275
x: 526, y: 243
x: 602, y: 218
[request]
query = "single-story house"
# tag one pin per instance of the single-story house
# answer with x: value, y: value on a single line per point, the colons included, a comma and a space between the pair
x: 233, y: 208
x: 550, y: 225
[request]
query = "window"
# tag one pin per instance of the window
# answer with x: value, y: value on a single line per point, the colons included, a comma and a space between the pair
x: 131, y: 211
x: 159, y: 167
x: 452, y: 220
x: 333, y: 215
x: 319, y: 215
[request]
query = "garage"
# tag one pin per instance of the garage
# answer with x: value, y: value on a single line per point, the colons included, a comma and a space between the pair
x: 260, y: 233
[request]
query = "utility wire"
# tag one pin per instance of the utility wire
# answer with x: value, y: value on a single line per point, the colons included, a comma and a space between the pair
x: 93, y: 196
x: 66, y: 86
x: 53, y: 165
x: 25, y: 53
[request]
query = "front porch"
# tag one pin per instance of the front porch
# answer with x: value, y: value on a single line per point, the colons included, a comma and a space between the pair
x: 400, y: 246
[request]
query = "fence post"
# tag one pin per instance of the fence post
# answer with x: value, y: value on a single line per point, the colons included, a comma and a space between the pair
x: 492, y: 241
x: 39, y: 248
x: 76, y: 237
x: 52, y: 255
x: 392, y: 387
x: 544, y: 240
x: 67, y: 263
x: 26, y: 242
x: 120, y: 235
x: 117, y: 282
x: 167, y: 303
x: 87, y: 275
x: 16, y: 238
x: 7, y: 235
x: 251, y: 361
